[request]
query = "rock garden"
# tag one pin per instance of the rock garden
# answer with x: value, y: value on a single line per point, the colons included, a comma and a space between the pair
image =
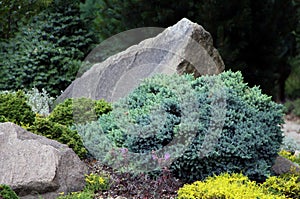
x: 161, y: 118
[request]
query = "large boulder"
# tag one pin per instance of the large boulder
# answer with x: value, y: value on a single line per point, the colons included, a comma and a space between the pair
x: 183, y: 48
x: 36, y: 166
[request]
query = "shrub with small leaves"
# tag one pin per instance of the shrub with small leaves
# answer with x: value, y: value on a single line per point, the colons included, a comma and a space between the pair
x: 7, y: 193
x: 14, y: 108
x: 79, y: 110
x: 229, y: 186
x: 45, y: 127
x: 208, y: 125
x: 3, y: 119
x: 48, y: 51
x: 40, y: 102
x: 286, y: 184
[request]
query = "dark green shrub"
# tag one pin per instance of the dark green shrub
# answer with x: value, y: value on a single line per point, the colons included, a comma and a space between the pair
x: 60, y: 133
x: 7, y: 193
x: 3, y: 119
x: 47, y: 52
x: 14, y: 108
x: 206, y: 126
x: 78, y: 111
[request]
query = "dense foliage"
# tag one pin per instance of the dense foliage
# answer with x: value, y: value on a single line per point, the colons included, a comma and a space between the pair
x: 255, y: 37
x: 79, y: 111
x: 204, y: 126
x: 286, y: 184
x: 43, y: 126
x: 47, y: 52
x: 14, y: 108
x: 7, y: 193
x: 15, y: 13
x: 234, y: 186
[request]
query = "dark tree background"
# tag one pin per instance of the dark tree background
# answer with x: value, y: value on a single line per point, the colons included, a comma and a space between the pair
x: 260, y: 38
x: 255, y: 37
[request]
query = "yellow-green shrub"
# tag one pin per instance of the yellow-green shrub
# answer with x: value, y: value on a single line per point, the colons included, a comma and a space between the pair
x: 290, y: 156
x: 229, y: 186
x: 95, y: 182
x: 287, y: 184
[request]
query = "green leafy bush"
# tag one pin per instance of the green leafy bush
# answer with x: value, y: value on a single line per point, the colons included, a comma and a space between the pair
x: 47, y: 52
x: 7, y: 193
x: 14, y: 108
x: 78, y: 111
x: 3, y: 119
x: 60, y: 133
x: 234, y: 186
x: 208, y: 125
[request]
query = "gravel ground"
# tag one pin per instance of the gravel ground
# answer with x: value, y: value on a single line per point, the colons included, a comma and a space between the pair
x: 291, y: 128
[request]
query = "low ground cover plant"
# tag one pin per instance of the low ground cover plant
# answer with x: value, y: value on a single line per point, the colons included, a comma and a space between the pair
x: 237, y: 186
x: 287, y: 185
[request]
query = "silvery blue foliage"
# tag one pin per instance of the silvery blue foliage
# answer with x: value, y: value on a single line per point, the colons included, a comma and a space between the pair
x: 40, y: 102
x: 206, y: 126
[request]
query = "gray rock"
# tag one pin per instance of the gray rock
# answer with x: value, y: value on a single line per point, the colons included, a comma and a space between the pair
x: 183, y: 48
x: 36, y: 166
x: 283, y: 165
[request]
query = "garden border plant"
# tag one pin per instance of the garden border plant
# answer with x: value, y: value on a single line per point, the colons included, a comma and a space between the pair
x: 248, y: 142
